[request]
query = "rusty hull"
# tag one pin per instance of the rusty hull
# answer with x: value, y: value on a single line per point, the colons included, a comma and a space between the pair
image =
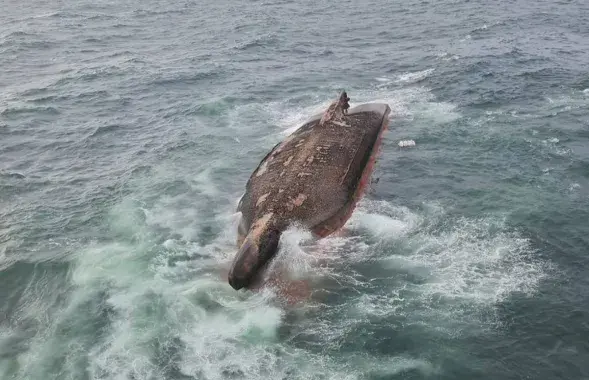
x: 314, y: 177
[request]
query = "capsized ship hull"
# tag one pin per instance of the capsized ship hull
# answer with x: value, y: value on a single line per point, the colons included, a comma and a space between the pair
x: 314, y: 177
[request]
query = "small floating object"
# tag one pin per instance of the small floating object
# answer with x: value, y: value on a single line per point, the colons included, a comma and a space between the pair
x: 404, y: 143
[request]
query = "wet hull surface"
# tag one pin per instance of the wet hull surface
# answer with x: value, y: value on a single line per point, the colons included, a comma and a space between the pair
x: 327, y: 166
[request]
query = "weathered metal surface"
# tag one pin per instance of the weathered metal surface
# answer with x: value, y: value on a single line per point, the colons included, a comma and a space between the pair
x: 314, y: 173
x: 314, y: 177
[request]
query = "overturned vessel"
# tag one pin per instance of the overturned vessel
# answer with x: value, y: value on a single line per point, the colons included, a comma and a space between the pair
x: 314, y: 178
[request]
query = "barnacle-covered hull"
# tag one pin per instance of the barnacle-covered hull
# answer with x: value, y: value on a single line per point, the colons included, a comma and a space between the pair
x: 314, y: 178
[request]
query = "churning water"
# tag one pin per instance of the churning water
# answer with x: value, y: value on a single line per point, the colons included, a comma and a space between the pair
x: 128, y: 130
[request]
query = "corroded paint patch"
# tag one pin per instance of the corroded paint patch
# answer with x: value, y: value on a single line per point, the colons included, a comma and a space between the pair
x: 341, y: 124
x: 262, y: 199
x: 299, y: 199
x: 296, y: 202
x: 259, y: 226
x: 263, y: 168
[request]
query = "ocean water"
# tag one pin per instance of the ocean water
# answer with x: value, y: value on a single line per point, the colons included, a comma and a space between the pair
x: 128, y: 130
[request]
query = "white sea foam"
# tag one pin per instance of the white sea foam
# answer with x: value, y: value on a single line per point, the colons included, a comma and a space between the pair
x: 463, y: 270
x: 383, y: 219
x: 184, y: 317
x: 563, y: 103
x: 7, y: 260
x: 552, y: 144
x: 416, y: 104
x: 445, y: 56
x: 413, y: 103
x: 415, y: 77
x: 235, y: 333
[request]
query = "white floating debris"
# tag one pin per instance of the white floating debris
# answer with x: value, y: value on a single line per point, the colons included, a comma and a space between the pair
x: 404, y: 143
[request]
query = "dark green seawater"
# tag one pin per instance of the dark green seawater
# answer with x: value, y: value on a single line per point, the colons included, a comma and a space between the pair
x: 128, y: 130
